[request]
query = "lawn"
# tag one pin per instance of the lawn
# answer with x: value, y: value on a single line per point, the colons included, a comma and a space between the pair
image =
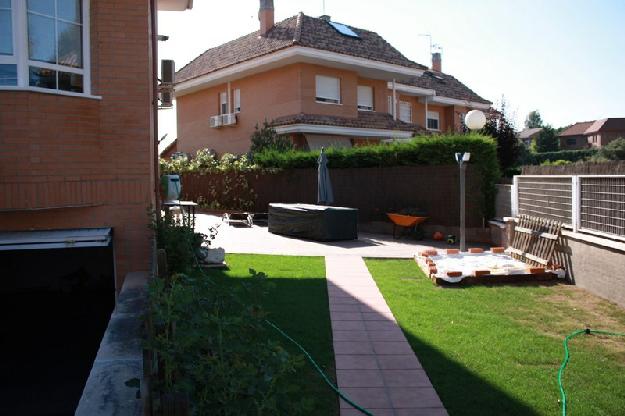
x: 496, y: 350
x: 297, y: 301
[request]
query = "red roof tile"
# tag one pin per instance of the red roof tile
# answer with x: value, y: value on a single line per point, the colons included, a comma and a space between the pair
x: 366, y: 119
x: 299, y: 30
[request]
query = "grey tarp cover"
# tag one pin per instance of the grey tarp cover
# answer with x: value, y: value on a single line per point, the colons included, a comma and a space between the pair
x: 313, y: 222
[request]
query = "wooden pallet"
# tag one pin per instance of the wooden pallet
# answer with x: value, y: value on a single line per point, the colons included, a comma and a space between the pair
x: 535, y: 241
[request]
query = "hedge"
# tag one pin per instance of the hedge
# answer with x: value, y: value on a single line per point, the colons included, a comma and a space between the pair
x: 569, y: 155
x: 425, y: 150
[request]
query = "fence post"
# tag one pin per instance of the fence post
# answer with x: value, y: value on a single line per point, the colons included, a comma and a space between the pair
x: 514, y: 196
x: 576, y: 199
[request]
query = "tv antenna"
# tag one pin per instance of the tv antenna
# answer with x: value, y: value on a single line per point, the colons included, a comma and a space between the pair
x: 434, y: 47
x: 323, y: 7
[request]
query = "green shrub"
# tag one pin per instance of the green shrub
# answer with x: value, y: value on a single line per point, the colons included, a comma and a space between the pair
x: 211, y: 343
x: 532, y: 158
x: 558, y: 162
x: 615, y: 150
x: 206, y: 162
x: 266, y: 138
x: 425, y: 150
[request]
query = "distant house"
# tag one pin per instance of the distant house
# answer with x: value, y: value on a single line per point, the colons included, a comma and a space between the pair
x: 318, y: 82
x: 602, y: 132
x: 527, y: 135
x: 596, y: 133
x: 574, y: 137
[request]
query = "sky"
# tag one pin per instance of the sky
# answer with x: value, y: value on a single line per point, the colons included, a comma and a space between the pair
x: 565, y: 58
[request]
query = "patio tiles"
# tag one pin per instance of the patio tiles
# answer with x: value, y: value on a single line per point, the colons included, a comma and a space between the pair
x: 375, y: 365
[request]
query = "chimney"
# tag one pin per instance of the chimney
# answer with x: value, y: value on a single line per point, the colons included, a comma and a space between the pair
x: 437, y: 64
x: 265, y: 15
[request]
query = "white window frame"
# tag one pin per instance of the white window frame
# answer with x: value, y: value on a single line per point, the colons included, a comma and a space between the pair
x: 21, y: 59
x: 237, y: 100
x: 389, y: 104
x: 404, y: 104
x: 365, y: 106
x: 329, y: 99
x: 223, y: 101
x: 433, y: 115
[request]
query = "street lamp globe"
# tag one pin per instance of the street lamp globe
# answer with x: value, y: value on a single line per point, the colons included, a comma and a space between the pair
x: 475, y: 120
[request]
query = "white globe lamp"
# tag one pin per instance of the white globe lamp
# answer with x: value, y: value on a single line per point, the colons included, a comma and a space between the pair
x: 475, y: 120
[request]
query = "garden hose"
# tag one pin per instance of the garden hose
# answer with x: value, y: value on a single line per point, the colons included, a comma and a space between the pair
x: 319, y: 370
x: 306, y: 353
x: 565, y: 361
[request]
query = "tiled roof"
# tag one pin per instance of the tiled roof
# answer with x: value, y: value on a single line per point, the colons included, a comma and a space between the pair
x: 607, y: 124
x: 366, y: 119
x: 447, y: 86
x: 527, y: 133
x: 299, y: 30
x: 577, y: 129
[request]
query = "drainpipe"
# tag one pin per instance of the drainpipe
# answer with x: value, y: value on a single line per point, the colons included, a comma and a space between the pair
x: 153, y: 22
x: 394, y: 101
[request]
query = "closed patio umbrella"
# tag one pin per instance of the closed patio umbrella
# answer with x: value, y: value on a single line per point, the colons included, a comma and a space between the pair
x: 324, y: 187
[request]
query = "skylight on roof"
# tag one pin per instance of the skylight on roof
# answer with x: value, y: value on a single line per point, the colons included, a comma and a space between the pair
x: 344, y: 30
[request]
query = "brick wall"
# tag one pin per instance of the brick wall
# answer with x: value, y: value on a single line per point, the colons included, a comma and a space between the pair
x: 82, y: 162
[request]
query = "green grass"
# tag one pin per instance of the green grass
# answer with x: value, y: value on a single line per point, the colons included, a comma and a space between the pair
x: 496, y: 350
x: 297, y: 302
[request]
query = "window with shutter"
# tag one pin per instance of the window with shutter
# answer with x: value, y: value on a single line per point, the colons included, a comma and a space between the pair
x: 223, y: 103
x: 328, y: 89
x: 405, y: 112
x: 433, y: 122
x: 237, y: 100
x: 365, y: 98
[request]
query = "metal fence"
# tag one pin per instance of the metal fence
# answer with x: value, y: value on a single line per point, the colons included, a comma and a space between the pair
x: 589, y: 203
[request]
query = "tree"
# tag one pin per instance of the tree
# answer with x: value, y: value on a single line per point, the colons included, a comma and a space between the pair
x: 266, y: 138
x: 547, y: 140
x: 501, y: 129
x: 533, y: 120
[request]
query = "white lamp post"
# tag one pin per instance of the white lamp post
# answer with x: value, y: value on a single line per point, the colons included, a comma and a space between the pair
x: 474, y: 120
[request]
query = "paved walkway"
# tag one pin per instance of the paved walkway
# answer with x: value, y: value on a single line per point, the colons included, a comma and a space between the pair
x: 375, y: 365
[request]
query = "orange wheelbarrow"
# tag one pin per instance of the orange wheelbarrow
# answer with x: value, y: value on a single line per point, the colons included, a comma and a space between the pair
x: 404, y: 221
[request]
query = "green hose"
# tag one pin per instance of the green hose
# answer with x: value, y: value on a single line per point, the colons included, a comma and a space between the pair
x: 565, y: 361
x: 320, y: 371
x: 306, y: 353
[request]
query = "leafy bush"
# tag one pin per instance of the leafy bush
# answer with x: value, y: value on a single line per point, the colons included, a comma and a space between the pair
x: 558, y: 162
x: 212, y: 347
x: 532, y: 158
x: 206, y: 162
x: 615, y: 150
x: 425, y: 150
x: 266, y: 138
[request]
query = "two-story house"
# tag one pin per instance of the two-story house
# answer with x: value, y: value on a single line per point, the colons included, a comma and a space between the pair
x: 317, y: 81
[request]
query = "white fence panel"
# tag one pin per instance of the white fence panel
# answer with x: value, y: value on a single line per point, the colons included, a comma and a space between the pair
x: 593, y: 204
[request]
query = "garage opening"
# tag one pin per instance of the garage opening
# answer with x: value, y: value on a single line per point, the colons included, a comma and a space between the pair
x: 57, y: 293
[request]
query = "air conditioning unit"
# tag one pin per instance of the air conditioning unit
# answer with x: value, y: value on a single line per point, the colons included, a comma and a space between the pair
x: 168, y: 71
x: 214, y: 121
x: 229, y: 119
x: 167, y: 97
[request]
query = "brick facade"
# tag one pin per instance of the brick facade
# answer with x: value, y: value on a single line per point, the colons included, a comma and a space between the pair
x: 288, y: 90
x: 86, y: 162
